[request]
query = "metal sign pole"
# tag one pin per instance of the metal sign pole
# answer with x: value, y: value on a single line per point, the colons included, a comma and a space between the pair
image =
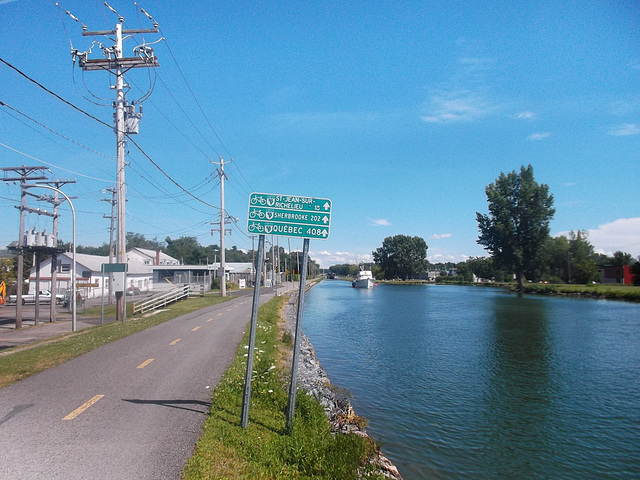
x: 246, y: 398
x: 291, y: 406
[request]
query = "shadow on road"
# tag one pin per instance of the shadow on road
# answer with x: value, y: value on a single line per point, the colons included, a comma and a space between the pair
x: 179, y: 404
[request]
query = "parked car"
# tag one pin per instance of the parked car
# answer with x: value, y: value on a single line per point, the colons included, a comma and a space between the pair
x: 133, y: 290
x: 44, y: 297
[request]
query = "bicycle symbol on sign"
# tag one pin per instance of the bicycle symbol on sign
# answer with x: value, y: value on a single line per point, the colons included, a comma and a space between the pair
x: 256, y: 227
x: 256, y: 213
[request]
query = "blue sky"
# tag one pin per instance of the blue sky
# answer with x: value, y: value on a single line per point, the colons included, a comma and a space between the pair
x: 399, y: 112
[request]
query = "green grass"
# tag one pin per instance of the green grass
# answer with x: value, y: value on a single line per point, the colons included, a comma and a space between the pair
x: 265, y: 449
x: 19, y: 363
x: 608, y: 291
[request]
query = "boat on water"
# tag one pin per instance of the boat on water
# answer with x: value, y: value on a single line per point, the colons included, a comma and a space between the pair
x: 364, y: 279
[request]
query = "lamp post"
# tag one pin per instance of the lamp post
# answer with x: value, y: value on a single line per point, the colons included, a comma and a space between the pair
x: 73, y: 252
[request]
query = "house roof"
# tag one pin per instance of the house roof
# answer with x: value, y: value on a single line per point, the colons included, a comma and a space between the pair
x: 94, y: 263
x: 152, y: 255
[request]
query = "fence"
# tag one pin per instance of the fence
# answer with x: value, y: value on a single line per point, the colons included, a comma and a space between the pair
x: 165, y: 298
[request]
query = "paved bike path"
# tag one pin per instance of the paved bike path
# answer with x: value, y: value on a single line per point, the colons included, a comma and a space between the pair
x: 130, y: 409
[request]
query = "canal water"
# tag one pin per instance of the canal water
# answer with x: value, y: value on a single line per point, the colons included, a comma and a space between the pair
x: 480, y: 383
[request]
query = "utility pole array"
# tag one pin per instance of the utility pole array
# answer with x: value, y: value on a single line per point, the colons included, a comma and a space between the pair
x: 126, y: 118
x: 24, y: 174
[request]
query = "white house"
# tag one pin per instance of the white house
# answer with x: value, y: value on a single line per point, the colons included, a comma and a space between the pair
x: 88, y: 274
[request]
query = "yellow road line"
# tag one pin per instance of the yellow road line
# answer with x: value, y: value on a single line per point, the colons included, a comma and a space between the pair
x: 220, y: 314
x: 175, y: 341
x: 145, y: 363
x: 82, y: 407
x: 210, y: 320
x: 194, y: 329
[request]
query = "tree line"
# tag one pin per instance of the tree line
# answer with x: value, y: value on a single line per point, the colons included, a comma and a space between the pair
x: 515, y: 232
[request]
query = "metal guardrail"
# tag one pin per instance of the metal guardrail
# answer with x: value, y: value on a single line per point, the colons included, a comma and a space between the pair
x: 165, y: 298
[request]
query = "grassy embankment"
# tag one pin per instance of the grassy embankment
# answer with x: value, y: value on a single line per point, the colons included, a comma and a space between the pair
x: 20, y: 362
x: 604, y: 291
x: 265, y: 449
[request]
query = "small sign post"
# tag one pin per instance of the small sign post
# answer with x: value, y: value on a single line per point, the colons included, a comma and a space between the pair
x: 119, y: 282
x: 287, y: 216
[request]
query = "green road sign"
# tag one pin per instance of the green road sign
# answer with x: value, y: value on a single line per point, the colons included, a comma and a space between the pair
x: 289, y: 216
x: 114, y: 267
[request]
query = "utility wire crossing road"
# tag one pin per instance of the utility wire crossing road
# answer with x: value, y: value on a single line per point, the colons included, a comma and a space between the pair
x: 130, y: 409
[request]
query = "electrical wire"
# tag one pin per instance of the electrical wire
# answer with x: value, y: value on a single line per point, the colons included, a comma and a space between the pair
x: 17, y: 70
x: 4, y: 104
x: 168, y: 176
x: 54, y: 165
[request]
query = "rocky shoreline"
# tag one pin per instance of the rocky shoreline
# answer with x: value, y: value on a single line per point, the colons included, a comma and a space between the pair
x: 314, y: 381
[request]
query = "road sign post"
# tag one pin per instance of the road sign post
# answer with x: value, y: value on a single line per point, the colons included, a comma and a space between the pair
x: 286, y: 216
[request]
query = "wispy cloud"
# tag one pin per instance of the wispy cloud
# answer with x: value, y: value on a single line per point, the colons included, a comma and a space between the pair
x: 380, y: 222
x: 538, y: 136
x: 2, y: 2
x: 625, y: 130
x: 441, y: 235
x: 457, y: 106
x: 526, y: 115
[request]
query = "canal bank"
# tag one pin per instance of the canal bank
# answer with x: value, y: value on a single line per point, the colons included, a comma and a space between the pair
x: 313, y: 379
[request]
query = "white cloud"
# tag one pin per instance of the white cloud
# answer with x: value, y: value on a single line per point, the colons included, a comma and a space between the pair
x: 457, y: 106
x: 526, y: 115
x: 622, y: 234
x: 539, y: 136
x: 441, y: 235
x: 325, y: 258
x: 380, y: 222
x: 625, y: 129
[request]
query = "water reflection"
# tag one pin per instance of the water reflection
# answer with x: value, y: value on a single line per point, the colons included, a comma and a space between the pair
x: 520, y: 387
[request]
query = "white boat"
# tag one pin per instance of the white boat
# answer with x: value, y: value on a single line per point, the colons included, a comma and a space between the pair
x: 364, y: 279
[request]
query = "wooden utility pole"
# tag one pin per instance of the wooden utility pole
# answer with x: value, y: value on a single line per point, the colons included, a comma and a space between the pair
x: 117, y: 64
x: 113, y: 203
x: 222, y: 228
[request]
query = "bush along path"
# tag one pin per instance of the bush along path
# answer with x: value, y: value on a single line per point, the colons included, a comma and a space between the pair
x: 312, y: 449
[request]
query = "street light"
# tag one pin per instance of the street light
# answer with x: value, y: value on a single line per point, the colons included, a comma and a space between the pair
x: 73, y: 266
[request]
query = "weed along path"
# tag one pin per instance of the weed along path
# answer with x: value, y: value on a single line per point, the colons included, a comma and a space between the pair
x: 131, y: 409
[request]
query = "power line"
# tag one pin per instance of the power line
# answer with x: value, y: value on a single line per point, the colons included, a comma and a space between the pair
x: 168, y: 176
x: 53, y: 165
x: 4, y: 104
x: 53, y: 93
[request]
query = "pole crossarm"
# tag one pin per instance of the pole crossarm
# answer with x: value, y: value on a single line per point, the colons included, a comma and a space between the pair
x: 35, y: 210
x: 115, y: 63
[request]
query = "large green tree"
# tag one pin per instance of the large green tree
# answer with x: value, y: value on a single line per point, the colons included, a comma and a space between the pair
x: 402, y: 257
x: 517, y: 225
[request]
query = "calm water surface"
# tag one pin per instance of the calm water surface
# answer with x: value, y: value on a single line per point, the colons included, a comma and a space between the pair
x: 469, y: 382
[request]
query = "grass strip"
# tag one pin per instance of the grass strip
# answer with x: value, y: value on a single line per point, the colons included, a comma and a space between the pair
x: 21, y: 363
x: 600, y: 290
x: 265, y: 449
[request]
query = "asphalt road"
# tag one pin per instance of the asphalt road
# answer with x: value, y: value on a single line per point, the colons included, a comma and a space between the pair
x: 132, y: 409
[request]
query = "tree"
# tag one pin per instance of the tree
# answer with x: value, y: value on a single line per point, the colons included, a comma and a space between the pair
x: 555, y: 260
x: 402, y: 257
x: 185, y: 249
x: 138, y: 240
x: 518, y: 222
x: 583, y: 263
